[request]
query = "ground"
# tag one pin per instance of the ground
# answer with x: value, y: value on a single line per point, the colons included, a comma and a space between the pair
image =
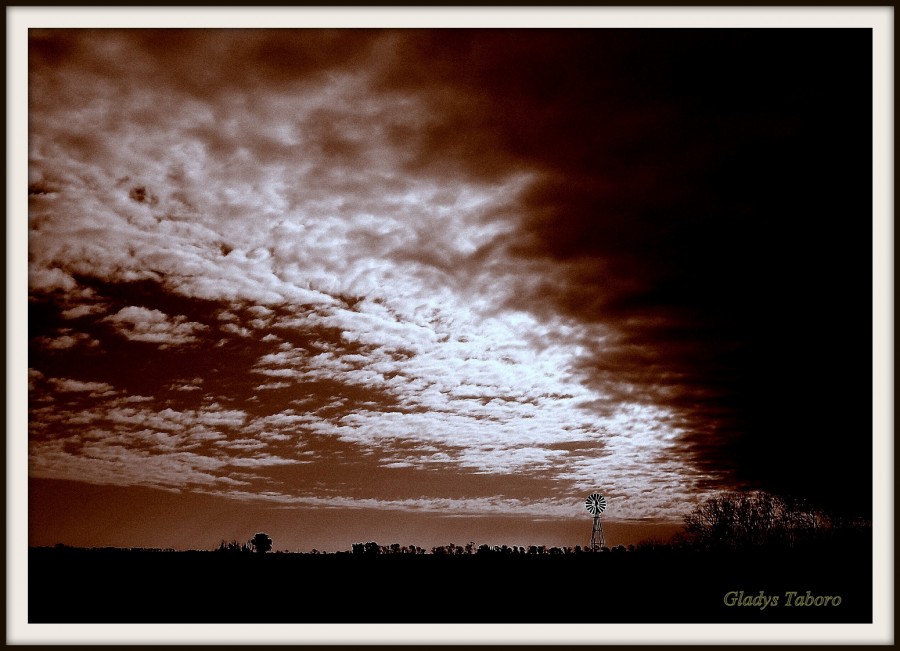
x: 120, y: 586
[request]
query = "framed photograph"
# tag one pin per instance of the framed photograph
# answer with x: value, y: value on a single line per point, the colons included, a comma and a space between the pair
x: 511, y: 325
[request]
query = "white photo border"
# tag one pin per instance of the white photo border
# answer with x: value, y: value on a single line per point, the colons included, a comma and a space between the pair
x: 20, y: 19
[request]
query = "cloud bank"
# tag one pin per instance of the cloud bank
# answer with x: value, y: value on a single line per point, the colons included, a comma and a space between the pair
x: 456, y: 268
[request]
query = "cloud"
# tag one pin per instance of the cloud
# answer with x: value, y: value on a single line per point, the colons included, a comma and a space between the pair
x: 67, y: 339
x: 560, y: 258
x: 50, y: 279
x: 96, y: 389
x: 82, y: 310
x: 195, y: 384
x: 34, y: 376
x: 153, y: 326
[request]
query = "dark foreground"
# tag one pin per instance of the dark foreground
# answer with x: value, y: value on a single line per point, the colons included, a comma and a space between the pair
x: 109, y: 586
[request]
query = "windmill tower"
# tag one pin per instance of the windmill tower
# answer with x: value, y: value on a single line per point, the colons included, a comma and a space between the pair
x: 595, y: 505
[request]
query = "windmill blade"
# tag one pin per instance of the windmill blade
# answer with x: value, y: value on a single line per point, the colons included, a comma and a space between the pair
x: 595, y: 504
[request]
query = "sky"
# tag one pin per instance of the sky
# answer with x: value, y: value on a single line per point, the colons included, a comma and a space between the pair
x: 429, y: 286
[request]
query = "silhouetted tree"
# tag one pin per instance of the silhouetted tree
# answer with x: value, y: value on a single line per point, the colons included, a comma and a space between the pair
x: 234, y: 547
x: 370, y: 548
x: 745, y: 520
x: 261, y: 543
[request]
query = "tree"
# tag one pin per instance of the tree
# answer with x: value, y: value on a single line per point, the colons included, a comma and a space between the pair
x: 261, y: 543
x: 234, y: 547
x: 746, y: 520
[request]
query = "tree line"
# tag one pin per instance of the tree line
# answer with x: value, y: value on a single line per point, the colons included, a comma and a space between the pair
x: 260, y: 544
x: 372, y: 548
x: 726, y: 521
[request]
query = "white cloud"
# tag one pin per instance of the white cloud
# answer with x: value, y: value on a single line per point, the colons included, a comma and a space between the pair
x: 303, y: 199
x: 83, y: 310
x: 153, y: 326
x: 95, y: 389
x: 270, y: 386
x: 49, y: 279
x: 66, y: 340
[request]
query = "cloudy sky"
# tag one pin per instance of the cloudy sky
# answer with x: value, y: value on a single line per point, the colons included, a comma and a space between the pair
x: 430, y: 286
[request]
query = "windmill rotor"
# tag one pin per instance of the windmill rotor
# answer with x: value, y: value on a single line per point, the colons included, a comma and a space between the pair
x: 595, y: 504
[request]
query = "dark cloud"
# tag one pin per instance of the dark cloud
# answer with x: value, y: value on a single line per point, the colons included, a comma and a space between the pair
x: 201, y: 62
x: 704, y: 194
x: 740, y: 264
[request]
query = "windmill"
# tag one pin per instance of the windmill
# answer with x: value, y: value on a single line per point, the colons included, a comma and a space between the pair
x: 595, y: 505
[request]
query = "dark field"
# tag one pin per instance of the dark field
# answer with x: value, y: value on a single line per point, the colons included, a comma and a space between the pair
x: 121, y: 586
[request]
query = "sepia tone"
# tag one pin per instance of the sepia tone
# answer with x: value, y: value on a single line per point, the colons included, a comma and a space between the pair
x: 430, y: 286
